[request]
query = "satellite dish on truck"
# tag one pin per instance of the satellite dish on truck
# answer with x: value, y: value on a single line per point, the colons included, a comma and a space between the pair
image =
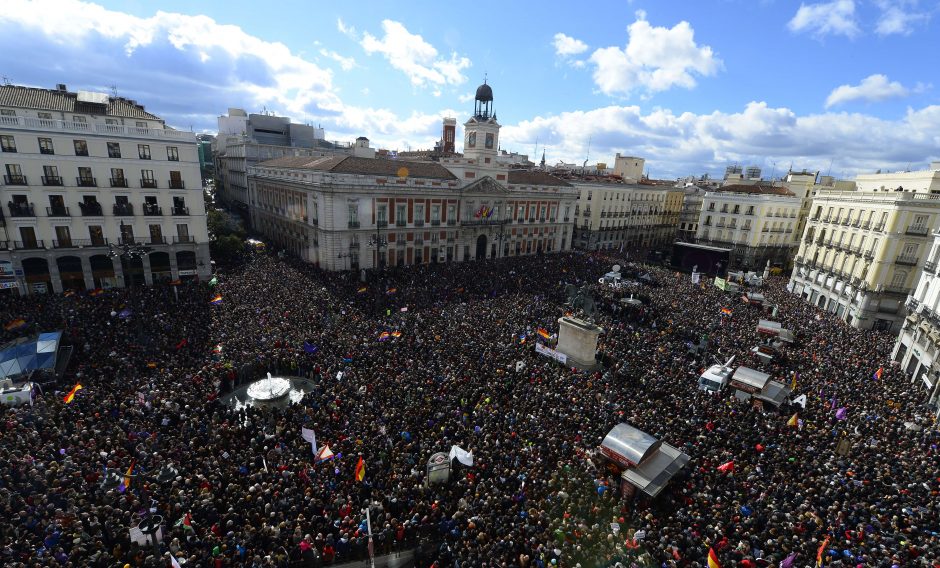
x: 616, y: 268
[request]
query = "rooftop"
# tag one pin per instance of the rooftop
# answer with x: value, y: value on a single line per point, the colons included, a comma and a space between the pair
x: 18, y: 96
x: 535, y: 177
x: 757, y: 188
x: 362, y: 166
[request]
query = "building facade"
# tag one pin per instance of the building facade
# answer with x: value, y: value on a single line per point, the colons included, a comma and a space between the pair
x: 361, y: 212
x: 611, y: 214
x: 863, y: 252
x: 918, y: 347
x: 86, y: 174
x: 756, y: 222
x: 693, y: 196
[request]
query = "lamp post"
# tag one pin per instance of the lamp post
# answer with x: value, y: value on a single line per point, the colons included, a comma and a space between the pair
x: 378, y: 243
x: 127, y: 250
x: 343, y: 256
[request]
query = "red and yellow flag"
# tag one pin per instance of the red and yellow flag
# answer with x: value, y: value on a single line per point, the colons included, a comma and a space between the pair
x: 68, y: 398
x: 360, y: 472
x: 794, y: 420
x: 127, y: 476
x: 819, y: 553
x: 712, y: 558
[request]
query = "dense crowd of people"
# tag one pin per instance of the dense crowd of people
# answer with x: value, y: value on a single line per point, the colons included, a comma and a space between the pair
x: 460, y: 369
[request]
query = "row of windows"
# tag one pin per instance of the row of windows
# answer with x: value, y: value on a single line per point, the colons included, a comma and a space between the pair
x: 80, y: 147
x: 77, y: 118
x: 20, y: 206
x: 50, y: 177
x: 63, y: 236
x: 620, y: 196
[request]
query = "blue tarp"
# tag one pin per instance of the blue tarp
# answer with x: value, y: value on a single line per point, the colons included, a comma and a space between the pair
x: 24, y: 355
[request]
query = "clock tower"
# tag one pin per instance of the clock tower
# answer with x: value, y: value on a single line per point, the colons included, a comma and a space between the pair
x: 481, y: 132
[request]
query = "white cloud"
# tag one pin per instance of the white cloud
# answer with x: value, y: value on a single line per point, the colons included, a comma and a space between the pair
x: 872, y: 88
x: 898, y: 17
x: 346, y: 63
x: 829, y: 18
x: 348, y: 31
x: 567, y: 46
x: 654, y: 59
x: 416, y: 58
x: 686, y: 143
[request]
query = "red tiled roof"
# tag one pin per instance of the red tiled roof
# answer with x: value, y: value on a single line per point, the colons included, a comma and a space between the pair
x: 363, y: 166
x: 535, y: 177
x: 758, y: 188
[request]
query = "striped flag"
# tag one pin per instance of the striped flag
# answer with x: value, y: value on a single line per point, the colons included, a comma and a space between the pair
x: 15, y: 324
x: 543, y: 333
x: 325, y: 453
x: 217, y: 300
x: 126, y: 482
x: 360, y: 472
x: 396, y: 334
x: 819, y: 553
x: 712, y: 558
x: 384, y: 336
x: 794, y: 420
x: 878, y: 373
x: 726, y: 311
x: 69, y: 397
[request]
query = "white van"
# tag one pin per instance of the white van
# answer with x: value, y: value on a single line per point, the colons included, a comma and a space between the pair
x: 715, y: 378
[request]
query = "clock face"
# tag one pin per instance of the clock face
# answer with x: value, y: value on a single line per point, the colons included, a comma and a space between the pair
x: 472, y: 139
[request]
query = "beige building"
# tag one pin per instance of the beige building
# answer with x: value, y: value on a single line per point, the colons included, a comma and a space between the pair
x: 757, y: 223
x: 360, y: 211
x: 87, y: 177
x: 693, y: 196
x: 639, y: 217
x: 863, y: 251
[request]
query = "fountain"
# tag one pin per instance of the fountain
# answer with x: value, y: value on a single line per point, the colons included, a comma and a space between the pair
x: 271, y: 388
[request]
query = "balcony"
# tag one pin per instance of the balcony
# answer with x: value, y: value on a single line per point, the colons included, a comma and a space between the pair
x: 906, y: 260
x: 435, y: 222
x: 866, y: 225
x: 29, y: 245
x: 86, y: 182
x: 419, y: 241
x: 917, y: 231
x: 352, y: 224
x: 58, y: 211
x: 148, y: 183
x: 870, y: 255
x: 880, y: 227
x: 118, y: 182
x: 930, y: 266
x: 129, y: 240
x: 401, y: 243
x: 21, y: 210
x: 52, y: 180
x: 451, y: 222
x: 896, y: 290
x: 483, y: 222
x: 354, y: 245
x: 156, y: 240
x: 185, y: 239
x: 90, y: 209
x: 79, y: 243
x: 419, y: 223
x: 123, y: 210
x: 381, y: 224
x: 47, y: 151
x: 15, y: 179
x: 152, y: 210
x: 179, y: 211
x: 400, y: 223
x: 177, y: 184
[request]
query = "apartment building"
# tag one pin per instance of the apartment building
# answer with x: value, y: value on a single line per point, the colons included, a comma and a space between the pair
x: 638, y: 217
x: 756, y: 223
x: 863, y: 251
x: 88, y: 175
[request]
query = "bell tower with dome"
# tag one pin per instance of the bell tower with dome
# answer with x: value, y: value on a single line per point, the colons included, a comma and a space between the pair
x: 481, y: 132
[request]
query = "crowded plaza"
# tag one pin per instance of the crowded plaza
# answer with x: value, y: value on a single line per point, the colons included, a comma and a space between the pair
x: 420, y: 359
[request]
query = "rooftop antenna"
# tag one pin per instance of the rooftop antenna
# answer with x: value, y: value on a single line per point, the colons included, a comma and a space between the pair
x: 6, y: 81
x: 773, y: 172
x: 113, y: 90
x: 587, y: 156
x: 830, y: 167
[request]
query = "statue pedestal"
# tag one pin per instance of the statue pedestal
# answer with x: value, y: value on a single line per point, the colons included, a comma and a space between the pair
x: 578, y: 340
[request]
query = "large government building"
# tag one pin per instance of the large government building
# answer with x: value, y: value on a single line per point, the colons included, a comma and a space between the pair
x: 358, y: 211
x: 97, y: 193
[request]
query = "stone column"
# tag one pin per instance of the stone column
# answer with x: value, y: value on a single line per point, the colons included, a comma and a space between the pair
x: 87, y: 273
x: 118, y: 271
x: 145, y: 264
x: 54, y: 275
x: 174, y: 269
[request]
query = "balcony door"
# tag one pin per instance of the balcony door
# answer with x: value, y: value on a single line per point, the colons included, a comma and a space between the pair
x: 28, y: 237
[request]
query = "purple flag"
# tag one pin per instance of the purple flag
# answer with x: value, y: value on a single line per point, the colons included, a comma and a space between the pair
x: 832, y: 403
x: 840, y: 414
x: 788, y: 561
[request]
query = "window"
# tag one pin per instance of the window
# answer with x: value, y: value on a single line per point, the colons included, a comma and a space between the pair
x: 451, y: 212
x: 81, y: 147
x: 45, y: 146
x: 419, y: 212
x: 179, y: 206
x: 44, y: 115
x: 111, y: 121
x: 7, y: 144
x: 114, y: 149
x: 381, y: 214
x: 96, y: 234
x: 156, y: 234
x: 127, y: 233
x: 7, y: 112
x: 78, y: 119
x: 590, y: 194
x: 28, y: 237
x: 182, y: 231
x: 63, y: 237
x: 353, y: 213
x: 146, y: 179
x: 14, y: 175
x: 490, y: 140
x: 85, y: 178
x: 150, y: 206
x: 471, y: 140
x: 143, y: 151
x: 141, y: 124
x: 400, y: 214
x: 172, y: 154
x: 435, y: 213
x: 50, y: 175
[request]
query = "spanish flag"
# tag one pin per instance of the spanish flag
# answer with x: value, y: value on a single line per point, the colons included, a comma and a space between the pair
x: 712, y: 558
x: 726, y: 311
x: 543, y: 333
x: 68, y: 398
x: 794, y: 420
x: 217, y: 300
x: 96, y: 292
x: 396, y: 334
x: 360, y: 469
x: 822, y: 549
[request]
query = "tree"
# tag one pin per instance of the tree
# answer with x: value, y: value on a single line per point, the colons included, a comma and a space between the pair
x: 221, y: 224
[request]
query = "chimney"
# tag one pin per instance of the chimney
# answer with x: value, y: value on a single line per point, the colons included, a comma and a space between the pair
x: 362, y: 149
x: 60, y: 87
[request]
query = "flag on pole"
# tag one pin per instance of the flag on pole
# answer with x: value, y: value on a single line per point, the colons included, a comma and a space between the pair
x: 217, y: 350
x: 310, y: 436
x: 543, y: 333
x: 126, y: 482
x: 325, y: 453
x: 712, y: 558
x: 727, y: 467
x: 878, y: 373
x: 212, y: 283
x: 216, y: 300
x: 841, y: 413
x: 186, y: 522
x: 793, y: 381
x: 360, y: 473
x: 71, y: 395
x: 384, y: 336
x: 794, y: 420
x: 726, y: 311
x: 819, y: 553
x: 788, y: 561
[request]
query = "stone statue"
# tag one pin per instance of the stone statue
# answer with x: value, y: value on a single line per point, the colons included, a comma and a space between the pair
x: 580, y: 301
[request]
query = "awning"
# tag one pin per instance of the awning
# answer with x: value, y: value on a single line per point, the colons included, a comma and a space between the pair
x: 628, y: 446
x: 654, y: 473
x: 749, y: 380
x: 774, y: 393
x: 767, y: 326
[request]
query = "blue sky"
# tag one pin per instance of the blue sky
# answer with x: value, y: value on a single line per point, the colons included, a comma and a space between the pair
x: 691, y: 86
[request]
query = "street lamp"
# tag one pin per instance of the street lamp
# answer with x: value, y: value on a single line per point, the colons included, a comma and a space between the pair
x: 378, y: 242
x: 127, y: 250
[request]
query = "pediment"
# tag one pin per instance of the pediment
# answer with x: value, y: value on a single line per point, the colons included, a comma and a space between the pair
x: 485, y: 186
